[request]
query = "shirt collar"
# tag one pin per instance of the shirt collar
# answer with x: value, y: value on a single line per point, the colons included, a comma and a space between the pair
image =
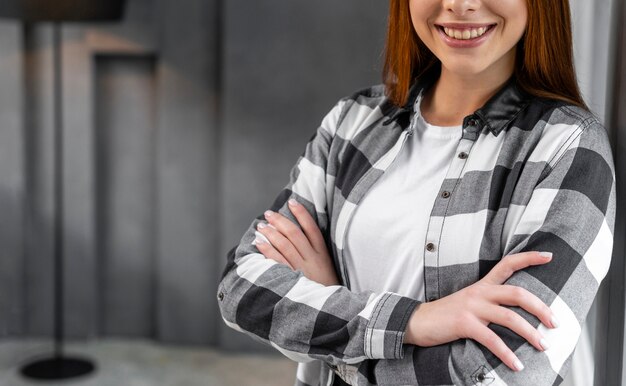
x: 495, y: 115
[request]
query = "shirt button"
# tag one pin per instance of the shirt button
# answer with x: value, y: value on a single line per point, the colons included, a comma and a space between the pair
x: 462, y: 155
x: 471, y: 122
x: 430, y: 247
x: 220, y: 296
x: 481, y: 377
x: 445, y: 194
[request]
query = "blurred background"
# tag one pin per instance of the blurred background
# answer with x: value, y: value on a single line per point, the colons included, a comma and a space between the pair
x: 181, y: 123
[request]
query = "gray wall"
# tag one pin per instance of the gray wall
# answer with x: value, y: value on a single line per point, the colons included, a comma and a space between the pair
x: 592, y: 32
x: 140, y: 170
x: 611, y: 328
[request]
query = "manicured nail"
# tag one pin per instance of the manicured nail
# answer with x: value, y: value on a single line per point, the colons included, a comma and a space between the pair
x: 544, y: 343
x: 555, y: 321
x: 546, y: 254
x: 258, y: 241
x: 268, y: 213
x: 518, y: 365
x: 261, y: 225
x: 293, y: 202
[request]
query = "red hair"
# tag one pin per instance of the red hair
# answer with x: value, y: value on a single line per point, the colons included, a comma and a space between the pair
x: 544, y: 65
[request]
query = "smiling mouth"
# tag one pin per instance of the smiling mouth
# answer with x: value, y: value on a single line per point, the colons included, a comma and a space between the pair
x: 465, y: 33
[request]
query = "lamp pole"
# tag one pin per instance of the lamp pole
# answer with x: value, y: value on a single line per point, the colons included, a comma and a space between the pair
x: 59, y: 366
x: 59, y: 323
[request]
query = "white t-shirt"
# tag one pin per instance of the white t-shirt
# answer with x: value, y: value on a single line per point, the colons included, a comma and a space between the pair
x: 394, y: 260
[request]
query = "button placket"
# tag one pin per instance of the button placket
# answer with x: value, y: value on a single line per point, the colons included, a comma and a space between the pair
x: 432, y: 250
x: 431, y: 287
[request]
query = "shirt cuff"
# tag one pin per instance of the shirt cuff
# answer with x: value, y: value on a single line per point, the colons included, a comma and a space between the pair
x: 386, y: 328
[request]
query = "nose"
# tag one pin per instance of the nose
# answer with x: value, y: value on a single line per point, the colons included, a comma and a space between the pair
x: 461, y: 7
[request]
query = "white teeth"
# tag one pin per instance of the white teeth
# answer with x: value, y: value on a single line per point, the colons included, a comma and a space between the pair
x: 465, y: 34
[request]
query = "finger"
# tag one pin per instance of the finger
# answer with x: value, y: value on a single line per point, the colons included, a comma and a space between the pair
x: 270, y: 252
x: 514, y: 322
x: 489, y: 339
x: 283, y: 245
x: 512, y: 263
x: 309, y: 225
x: 511, y: 295
x: 292, y: 232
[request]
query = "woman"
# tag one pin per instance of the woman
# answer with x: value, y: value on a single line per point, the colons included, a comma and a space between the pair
x: 451, y: 226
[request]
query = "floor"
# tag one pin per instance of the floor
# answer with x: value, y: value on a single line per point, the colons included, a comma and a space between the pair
x: 145, y: 363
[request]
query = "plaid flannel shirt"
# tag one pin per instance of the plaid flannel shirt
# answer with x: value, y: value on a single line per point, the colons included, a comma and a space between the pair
x: 529, y: 174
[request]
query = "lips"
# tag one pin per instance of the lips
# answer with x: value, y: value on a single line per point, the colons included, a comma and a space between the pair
x: 465, y: 35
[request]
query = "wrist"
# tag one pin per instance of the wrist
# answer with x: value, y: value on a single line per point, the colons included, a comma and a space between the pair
x: 412, y: 329
x: 419, y: 325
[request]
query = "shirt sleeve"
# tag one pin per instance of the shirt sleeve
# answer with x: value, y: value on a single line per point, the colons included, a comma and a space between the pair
x: 301, y: 318
x: 571, y: 213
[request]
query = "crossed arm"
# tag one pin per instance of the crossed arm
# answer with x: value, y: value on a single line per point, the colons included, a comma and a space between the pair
x: 463, y: 315
x: 571, y: 214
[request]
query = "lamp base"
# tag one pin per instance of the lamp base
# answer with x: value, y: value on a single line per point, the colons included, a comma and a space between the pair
x: 53, y: 368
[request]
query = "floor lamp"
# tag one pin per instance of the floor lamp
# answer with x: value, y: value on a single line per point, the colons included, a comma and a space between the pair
x: 58, y: 365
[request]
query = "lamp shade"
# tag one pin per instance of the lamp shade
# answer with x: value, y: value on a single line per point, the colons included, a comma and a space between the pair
x: 62, y: 10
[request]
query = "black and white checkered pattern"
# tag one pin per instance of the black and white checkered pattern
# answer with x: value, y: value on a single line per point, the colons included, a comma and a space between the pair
x: 531, y: 175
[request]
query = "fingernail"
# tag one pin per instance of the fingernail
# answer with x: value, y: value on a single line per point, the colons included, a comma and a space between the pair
x: 268, y: 213
x: 518, y: 365
x: 261, y: 225
x: 546, y: 254
x: 258, y: 241
x: 261, y: 236
x: 555, y: 321
x: 293, y: 202
x: 544, y: 343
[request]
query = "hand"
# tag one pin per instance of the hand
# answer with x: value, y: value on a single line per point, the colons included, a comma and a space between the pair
x: 467, y: 312
x: 306, y: 251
